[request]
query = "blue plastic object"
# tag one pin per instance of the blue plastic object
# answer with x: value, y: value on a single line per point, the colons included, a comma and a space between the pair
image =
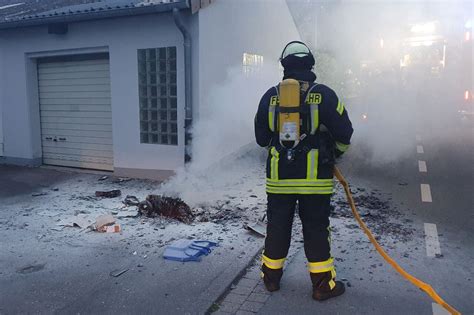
x: 188, y: 250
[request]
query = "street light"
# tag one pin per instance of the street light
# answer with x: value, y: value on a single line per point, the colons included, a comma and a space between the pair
x: 426, y: 28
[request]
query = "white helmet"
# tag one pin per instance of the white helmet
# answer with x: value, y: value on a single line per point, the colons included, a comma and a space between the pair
x: 295, y: 48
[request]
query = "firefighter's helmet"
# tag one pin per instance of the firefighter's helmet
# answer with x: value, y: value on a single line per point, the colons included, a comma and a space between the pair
x: 296, y: 51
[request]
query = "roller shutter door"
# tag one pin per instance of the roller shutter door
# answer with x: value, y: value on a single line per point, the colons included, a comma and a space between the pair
x: 76, y: 116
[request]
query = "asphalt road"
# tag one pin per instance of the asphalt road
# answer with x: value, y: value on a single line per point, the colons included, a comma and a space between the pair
x: 445, y: 147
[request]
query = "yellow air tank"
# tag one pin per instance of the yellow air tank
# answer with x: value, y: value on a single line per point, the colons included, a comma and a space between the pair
x: 289, y: 114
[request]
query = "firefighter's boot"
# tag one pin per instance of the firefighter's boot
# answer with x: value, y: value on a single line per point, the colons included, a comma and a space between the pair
x: 324, y: 286
x: 271, y: 278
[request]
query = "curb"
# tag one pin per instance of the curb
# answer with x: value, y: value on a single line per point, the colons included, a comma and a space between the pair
x: 237, y: 278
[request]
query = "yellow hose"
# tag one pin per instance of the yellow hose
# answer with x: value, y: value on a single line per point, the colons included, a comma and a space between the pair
x: 420, y: 284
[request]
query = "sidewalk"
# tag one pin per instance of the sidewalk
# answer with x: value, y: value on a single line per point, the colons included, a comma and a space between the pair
x: 248, y: 294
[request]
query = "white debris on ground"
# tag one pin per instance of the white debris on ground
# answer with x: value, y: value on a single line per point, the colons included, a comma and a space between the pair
x: 223, y: 202
x: 224, y: 198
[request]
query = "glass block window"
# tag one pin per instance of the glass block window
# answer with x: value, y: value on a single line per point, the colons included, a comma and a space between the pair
x: 157, y: 91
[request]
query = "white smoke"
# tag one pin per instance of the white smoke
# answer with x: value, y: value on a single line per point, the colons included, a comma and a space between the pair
x: 226, y: 121
x: 224, y: 152
x: 225, y: 156
x: 397, y: 106
x: 350, y: 36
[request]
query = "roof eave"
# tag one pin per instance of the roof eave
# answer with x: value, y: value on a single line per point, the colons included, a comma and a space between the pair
x: 95, y: 15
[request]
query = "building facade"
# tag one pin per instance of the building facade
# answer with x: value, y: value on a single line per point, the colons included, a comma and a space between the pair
x: 107, y: 89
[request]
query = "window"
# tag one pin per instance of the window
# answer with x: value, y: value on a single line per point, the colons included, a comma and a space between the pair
x: 251, y: 63
x: 157, y: 89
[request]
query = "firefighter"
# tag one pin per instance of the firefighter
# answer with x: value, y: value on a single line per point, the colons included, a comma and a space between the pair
x: 299, y: 172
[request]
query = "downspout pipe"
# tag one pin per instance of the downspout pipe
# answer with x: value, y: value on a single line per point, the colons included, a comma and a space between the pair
x: 188, y: 118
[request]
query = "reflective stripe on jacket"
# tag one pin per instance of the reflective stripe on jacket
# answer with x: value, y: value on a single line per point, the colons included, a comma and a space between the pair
x: 311, y: 169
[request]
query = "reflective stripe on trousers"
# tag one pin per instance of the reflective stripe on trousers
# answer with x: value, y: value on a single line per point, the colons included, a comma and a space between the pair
x: 321, y: 266
x: 273, y: 263
x: 324, y: 266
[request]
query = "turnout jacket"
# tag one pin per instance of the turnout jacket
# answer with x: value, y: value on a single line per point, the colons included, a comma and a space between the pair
x: 326, y: 131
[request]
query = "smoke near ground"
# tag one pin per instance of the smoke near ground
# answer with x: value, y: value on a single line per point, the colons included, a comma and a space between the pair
x: 225, y: 156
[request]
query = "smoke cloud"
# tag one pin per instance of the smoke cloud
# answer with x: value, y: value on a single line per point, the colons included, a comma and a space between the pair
x: 224, y: 153
x: 226, y: 122
x: 359, y: 48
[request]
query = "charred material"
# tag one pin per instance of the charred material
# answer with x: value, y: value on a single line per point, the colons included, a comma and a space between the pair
x: 108, y: 194
x: 131, y: 201
x: 169, y: 207
x: 380, y: 216
x: 221, y: 213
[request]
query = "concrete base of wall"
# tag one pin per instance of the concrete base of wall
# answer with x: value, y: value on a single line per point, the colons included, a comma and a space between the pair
x: 160, y: 175
x: 20, y: 161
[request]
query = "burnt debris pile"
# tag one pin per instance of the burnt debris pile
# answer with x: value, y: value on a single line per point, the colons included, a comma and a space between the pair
x: 173, y: 208
x: 221, y: 213
x: 383, y: 218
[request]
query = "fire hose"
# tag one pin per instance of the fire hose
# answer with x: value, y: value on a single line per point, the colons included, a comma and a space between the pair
x: 415, y: 281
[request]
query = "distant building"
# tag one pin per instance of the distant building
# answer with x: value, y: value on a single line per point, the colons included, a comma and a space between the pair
x: 109, y: 85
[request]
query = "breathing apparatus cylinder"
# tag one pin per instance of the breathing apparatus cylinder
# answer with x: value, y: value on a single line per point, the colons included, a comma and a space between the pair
x: 289, y: 113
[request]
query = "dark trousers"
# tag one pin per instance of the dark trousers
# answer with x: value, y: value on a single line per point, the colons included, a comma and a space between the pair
x: 314, y: 214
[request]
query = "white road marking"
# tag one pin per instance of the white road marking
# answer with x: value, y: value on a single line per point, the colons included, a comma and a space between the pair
x: 431, y: 239
x: 418, y: 138
x: 11, y: 5
x: 419, y: 149
x: 426, y: 193
x: 422, y: 166
x: 438, y: 309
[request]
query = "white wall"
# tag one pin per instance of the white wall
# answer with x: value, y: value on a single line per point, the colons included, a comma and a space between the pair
x: 229, y: 28
x: 228, y: 98
x: 222, y: 32
x: 121, y: 38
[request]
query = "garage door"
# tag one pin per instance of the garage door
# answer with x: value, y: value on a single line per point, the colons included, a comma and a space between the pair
x: 76, y: 117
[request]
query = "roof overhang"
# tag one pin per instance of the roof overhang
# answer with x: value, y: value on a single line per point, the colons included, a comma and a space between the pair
x: 87, y: 15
